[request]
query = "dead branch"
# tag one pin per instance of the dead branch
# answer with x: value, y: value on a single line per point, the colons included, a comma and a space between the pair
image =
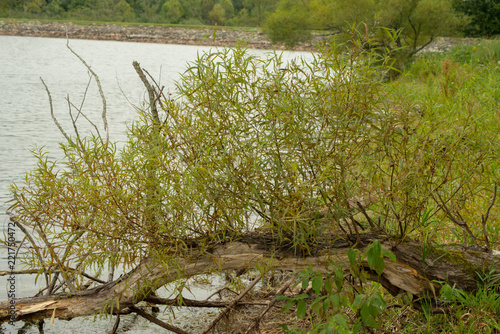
x: 281, y: 291
x: 233, y: 303
x: 158, y: 321
x: 99, y: 87
x: 409, y: 274
x: 117, y: 323
x: 53, y: 116
x: 153, y: 95
x: 457, y: 221
x: 195, y: 303
x: 80, y: 112
x: 18, y: 272
x: 219, y: 291
x: 484, y: 218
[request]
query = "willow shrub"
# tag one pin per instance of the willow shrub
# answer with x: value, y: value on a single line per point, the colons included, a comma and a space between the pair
x: 300, y: 148
x: 460, y: 106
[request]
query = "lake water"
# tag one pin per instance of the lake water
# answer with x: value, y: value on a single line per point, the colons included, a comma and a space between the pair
x: 25, y: 122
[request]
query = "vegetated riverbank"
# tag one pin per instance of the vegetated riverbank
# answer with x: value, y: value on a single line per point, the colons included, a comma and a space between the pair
x: 163, y: 34
x: 206, y: 36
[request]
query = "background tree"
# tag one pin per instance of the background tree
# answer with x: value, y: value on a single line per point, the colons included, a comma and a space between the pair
x: 206, y: 7
x: 33, y: 6
x: 217, y: 15
x: 173, y: 11
x: 484, y: 16
x: 419, y: 21
x: 149, y: 10
x: 192, y: 11
x: 290, y: 23
x: 116, y: 10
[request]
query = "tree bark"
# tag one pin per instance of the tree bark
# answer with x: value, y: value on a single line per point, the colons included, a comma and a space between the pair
x: 413, y: 272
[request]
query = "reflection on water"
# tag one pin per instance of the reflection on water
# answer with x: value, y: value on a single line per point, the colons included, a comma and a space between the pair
x: 25, y: 121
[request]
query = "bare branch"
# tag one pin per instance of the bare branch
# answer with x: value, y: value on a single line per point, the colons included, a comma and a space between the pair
x: 73, y: 120
x: 80, y: 112
x: 233, y: 303
x: 441, y: 203
x: 13, y: 219
x: 363, y: 211
x: 19, y: 272
x: 101, y: 92
x: 117, y: 323
x: 280, y: 292
x: 219, y: 291
x: 53, y: 116
x: 158, y: 321
x: 151, y: 92
x: 195, y: 303
x: 59, y: 264
x: 484, y: 218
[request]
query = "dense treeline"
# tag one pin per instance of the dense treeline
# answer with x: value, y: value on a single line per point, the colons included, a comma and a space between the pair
x: 286, y: 21
x: 195, y: 12
x: 484, y: 16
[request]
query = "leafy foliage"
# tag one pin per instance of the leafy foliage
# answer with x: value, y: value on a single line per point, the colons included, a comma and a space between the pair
x: 192, y: 12
x: 340, y: 307
x: 484, y: 16
x: 302, y: 149
x: 417, y: 22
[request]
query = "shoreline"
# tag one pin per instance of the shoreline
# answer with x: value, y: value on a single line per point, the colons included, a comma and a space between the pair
x: 202, y: 36
x: 252, y: 38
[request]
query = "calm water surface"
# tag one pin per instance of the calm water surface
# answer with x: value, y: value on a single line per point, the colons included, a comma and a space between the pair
x: 25, y: 124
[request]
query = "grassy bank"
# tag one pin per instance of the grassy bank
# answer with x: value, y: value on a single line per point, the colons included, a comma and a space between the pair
x: 445, y: 86
x: 448, y: 103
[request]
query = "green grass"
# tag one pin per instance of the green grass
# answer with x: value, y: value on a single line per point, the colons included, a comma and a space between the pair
x: 465, y: 80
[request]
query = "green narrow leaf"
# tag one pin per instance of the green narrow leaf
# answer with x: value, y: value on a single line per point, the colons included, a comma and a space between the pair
x: 341, y: 321
x: 352, y: 254
x: 335, y: 300
x: 288, y: 306
x: 317, y: 285
x: 375, y: 259
x: 326, y: 306
x: 328, y: 286
x: 305, y: 283
x: 301, y: 309
x: 389, y: 254
x: 358, y: 300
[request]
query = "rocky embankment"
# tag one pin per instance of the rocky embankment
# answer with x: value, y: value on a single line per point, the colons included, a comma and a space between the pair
x: 219, y: 36
x: 146, y: 34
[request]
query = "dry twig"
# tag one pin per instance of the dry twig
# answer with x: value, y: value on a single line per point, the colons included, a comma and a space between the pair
x: 233, y: 303
x: 281, y: 291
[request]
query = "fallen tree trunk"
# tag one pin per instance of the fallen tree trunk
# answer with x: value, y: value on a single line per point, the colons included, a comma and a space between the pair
x: 412, y: 272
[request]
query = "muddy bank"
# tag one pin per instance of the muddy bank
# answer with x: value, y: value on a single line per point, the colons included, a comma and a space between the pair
x: 145, y: 34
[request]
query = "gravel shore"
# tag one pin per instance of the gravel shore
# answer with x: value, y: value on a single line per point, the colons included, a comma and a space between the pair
x: 217, y: 36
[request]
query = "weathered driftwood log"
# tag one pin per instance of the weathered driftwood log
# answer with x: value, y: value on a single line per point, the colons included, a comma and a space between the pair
x: 413, y: 272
